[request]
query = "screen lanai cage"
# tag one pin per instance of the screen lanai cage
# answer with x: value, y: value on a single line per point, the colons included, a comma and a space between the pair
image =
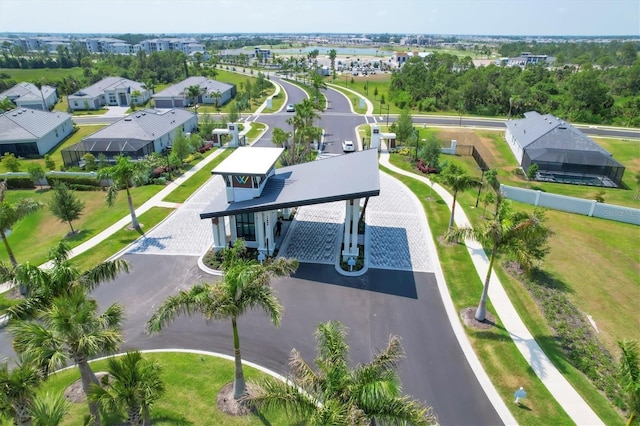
x: 132, y: 148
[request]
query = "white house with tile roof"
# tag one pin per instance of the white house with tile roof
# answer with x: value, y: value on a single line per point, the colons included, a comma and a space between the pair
x: 176, y: 96
x: 31, y: 133
x: 114, y: 91
x: 27, y: 95
x: 136, y: 135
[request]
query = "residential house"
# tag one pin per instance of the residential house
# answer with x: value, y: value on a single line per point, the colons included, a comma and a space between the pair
x: 32, y: 133
x: 211, y: 92
x: 136, y: 135
x: 562, y: 153
x: 27, y: 95
x: 114, y: 91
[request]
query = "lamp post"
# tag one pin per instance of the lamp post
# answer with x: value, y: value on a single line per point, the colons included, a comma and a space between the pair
x: 387, y: 115
x: 480, y: 187
x: 416, y: 134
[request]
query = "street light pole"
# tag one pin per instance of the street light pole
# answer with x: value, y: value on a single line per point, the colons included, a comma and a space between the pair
x: 480, y: 187
x: 416, y: 133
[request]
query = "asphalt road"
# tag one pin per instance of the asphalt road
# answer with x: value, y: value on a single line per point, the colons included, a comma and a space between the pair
x: 373, y: 306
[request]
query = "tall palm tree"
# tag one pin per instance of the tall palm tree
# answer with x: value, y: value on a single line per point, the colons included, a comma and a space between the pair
x: 630, y: 377
x: 457, y: 179
x: 71, y: 329
x: 123, y: 174
x: 10, y: 214
x: 244, y: 286
x: 18, y: 388
x: 133, y: 383
x: 332, y: 58
x: 48, y: 409
x: 332, y: 393
x: 317, y: 82
x: 519, y: 234
x: 44, y: 285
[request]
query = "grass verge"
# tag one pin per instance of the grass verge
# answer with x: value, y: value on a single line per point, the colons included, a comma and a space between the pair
x: 120, y: 239
x: 498, y: 354
x: 188, y: 187
x: 612, y: 304
x: 354, y: 99
x: 192, y: 383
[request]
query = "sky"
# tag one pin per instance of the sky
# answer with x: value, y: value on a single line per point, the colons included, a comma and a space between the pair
x: 477, y: 17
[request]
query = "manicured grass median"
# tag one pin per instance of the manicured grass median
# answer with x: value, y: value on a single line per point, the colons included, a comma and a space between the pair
x: 192, y: 382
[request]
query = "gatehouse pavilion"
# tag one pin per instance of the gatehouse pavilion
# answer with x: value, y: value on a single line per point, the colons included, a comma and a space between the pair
x: 257, y: 194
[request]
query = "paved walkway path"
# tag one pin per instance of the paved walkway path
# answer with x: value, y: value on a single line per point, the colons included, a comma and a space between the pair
x: 558, y: 386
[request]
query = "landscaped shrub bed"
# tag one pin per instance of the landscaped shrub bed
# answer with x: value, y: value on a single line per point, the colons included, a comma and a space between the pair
x: 19, y: 182
x: 77, y: 183
x: 574, y: 333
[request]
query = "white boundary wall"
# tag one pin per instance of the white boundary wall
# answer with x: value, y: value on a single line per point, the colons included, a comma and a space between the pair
x: 572, y: 204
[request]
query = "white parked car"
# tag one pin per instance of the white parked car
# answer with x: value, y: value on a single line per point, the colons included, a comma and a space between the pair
x: 347, y: 146
x: 291, y: 108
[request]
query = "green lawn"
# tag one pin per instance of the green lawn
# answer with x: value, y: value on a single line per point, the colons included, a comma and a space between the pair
x: 192, y: 383
x: 188, y: 187
x: 48, y: 74
x: 32, y: 237
x: 608, y: 294
x: 495, y: 151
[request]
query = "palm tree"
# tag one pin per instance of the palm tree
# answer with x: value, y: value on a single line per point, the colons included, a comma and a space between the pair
x: 44, y: 285
x: 10, y: 214
x: 630, y: 377
x: 332, y: 58
x: 317, y: 81
x: 279, y: 137
x: 193, y: 92
x: 132, y: 382
x: 521, y: 234
x: 71, y: 329
x: 18, y: 388
x: 48, y: 409
x: 244, y: 286
x: 332, y: 393
x: 458, y: 180
x: 123, y: 174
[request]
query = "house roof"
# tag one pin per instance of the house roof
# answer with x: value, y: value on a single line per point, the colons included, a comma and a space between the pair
x: 537, y: 131
x: 342, y: 177
x: 249, y: 161
x: 107, y: 83
x: 559, y: 155
x: 178, y: 89
x: 27, y: 91
x: 28, y: 124
x: 108, y: 145
x: 143, y: 125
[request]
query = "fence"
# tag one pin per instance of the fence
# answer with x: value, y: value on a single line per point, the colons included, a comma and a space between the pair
x: 573, y: 205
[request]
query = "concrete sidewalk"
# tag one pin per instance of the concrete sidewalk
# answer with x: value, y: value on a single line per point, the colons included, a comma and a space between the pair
x: 577, y: 409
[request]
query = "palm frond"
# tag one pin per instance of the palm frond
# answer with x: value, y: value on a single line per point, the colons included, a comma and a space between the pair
x: 304, y: 375
x: 272, y: 394
x: 111, y: 195
x: 105, y: 271
x: 198, y: 299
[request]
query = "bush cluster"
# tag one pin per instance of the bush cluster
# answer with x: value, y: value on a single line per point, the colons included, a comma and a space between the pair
x: 426, y: 169
x: 77, y: 183
x: 19, y: 182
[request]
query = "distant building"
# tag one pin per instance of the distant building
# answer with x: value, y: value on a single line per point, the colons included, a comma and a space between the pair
x: 136, y: 135
x: 27, y: 95
x: 114, y: 91
x: 563, y: 153
x: 184, y: 45
x: 211, y: 92
x: 32, y: 133
x: 527, y: 58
